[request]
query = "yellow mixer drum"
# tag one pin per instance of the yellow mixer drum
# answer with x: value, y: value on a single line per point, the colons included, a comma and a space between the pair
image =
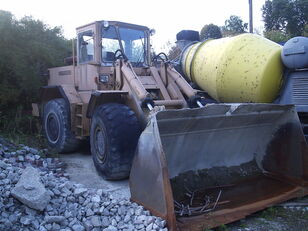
x: 244, y: 68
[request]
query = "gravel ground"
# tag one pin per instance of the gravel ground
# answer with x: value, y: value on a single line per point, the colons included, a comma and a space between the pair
x: 67, y: 206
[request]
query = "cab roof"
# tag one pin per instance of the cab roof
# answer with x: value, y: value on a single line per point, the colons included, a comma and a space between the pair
x: 116, y: 23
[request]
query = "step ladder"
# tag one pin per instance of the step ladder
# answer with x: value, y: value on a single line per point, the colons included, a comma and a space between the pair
x: 81, y: 121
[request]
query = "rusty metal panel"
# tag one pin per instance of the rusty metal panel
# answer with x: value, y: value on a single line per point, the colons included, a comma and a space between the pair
x: 219, y: 163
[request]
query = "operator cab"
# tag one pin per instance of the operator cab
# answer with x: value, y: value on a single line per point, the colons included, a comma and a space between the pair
x: 104, y: 42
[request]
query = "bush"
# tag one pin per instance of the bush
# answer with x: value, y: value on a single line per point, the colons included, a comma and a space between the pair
x: 28, y: 47
x: 210, y: 31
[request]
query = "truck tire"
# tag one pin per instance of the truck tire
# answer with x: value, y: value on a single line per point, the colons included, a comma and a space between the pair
x: 114, y: 135
x: 57, y: 126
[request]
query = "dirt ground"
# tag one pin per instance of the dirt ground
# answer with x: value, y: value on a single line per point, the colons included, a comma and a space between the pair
x: 80, y: 168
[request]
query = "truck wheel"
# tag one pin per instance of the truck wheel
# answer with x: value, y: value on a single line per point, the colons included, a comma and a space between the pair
x: 57, y: 126
x: 114, y: 135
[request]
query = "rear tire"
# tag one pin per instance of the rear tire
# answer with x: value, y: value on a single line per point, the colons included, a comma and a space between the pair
x: 57, y: 126
x: 114, y: 135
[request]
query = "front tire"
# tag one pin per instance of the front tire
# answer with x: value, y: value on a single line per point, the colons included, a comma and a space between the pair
x: 114, y: 135
x: 57, y: 127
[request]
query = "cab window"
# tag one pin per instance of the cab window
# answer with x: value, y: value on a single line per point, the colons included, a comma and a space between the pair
x: 110, y: 44
x: 86, y: 46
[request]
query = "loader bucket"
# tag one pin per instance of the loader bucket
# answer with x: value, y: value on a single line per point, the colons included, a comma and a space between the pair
x: 200, y: 168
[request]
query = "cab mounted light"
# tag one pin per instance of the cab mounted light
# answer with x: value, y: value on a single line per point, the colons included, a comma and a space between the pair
x: 106, y: 24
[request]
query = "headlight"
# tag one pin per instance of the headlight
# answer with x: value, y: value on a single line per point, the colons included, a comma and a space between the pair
x: 104, y: 78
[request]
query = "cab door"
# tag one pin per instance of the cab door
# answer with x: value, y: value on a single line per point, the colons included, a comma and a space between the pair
x: 88, y: 66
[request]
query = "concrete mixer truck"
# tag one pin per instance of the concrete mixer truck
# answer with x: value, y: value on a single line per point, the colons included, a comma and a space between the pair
x: 196, y: 165
x: 249, y: 68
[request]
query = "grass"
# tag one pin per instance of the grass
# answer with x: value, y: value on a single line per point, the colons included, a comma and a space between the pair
x: 222, y: 228
x: 273, y: 212
x: 20, y: 127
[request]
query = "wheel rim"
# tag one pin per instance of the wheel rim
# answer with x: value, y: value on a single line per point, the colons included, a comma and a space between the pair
x: 52, y: 128
x: 100, y: 144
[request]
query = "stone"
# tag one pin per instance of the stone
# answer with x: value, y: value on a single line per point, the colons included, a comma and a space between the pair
x: 155, y: 226
x: 89, y: 212
x: 35, y: 224
x: 162, y: 223
x: 149, y: 220
x: 3, y: 165
x: 48, y: 226
x: 26, y: 220
x: 30, y: 211
x: 96, y: 199
x: 138, y: 211
x: 127, y: 218
x: 54, y: 219
x: 30, y: 191
x: 105, y: 222
x: 2, y: 175
x: 96, y: 221
x: 13, y: 218
x: 80, y: 191
x: 78, y: 227
x: 114, y: 222
x: 149, y: 227
x: 21, y: 159
x: 42, y: 228
x: 55, y: 227
x: 87, y: 225
x: 111, y: 228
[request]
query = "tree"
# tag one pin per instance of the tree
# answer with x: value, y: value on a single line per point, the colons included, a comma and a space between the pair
x: 234, y: 25
x: 277, y: 36
x: 28, y: 47
x: 210, y: 31
x: 287, y: 16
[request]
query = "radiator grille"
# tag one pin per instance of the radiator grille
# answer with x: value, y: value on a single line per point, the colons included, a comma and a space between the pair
x: 300, y: 90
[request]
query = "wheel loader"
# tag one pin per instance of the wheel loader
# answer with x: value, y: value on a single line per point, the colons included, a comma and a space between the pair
x: 195, y: 164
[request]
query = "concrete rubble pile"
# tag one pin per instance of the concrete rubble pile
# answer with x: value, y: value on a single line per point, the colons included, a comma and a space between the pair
x: 36, y: 194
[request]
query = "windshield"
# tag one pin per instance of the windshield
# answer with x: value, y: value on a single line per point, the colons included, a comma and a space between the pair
x: 133, y: 42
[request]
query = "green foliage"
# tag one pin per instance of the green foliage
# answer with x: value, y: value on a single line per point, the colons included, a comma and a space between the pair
x: 210, y: 31
x: 222, y: 228
x: 272, y: 212
x: 28, y: 47
x: 276, y: 36
x: 21, y: 128
x: 234, y: 26
x: 305, y: 31
x: 287, y: 16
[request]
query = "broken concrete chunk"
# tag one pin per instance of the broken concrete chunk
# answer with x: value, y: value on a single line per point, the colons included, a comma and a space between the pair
x: 30, y: 191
